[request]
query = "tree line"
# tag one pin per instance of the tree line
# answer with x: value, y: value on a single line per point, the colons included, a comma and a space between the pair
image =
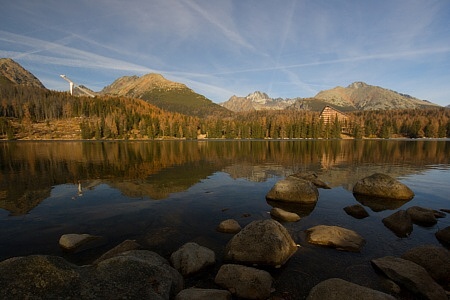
x: 110, y: 117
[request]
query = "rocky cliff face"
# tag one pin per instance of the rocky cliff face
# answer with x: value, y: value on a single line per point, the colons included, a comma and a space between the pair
x: 256, y: 101
x: 15, y: 73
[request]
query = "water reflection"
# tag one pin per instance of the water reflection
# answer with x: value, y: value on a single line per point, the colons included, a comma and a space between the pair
x: 29, y: 170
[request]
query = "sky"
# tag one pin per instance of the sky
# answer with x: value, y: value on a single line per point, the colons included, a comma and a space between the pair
x: 221, y: 48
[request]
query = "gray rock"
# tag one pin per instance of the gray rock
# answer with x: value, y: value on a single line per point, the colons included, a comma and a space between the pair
x: 282, y: 215
x: 400, y: 223
x: 338, y: 289
x: 334, y: 236
x: 311, y: 176
x: 264, y: 242
x: 245, y: 282
x: 229, y: 226
x: 135, y: 274
x: 435, y: 259
x: 292, y: 189
x: 443, y: 236
x: 411, y: 276
x: 356, y: 211
x: 77, y: 242
x: 383, y: 186
x: 422, y: 216
x: 191, y: 258
x: 203, y: 294
x: 126, y: 245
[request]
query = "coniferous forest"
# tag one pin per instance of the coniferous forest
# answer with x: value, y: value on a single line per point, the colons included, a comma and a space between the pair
x: 26, y: 112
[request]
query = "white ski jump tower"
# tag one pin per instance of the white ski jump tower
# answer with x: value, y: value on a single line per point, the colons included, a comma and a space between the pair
x: 73, y: 84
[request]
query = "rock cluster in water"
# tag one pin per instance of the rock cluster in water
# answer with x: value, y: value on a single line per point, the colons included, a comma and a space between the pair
x: 128, y: 271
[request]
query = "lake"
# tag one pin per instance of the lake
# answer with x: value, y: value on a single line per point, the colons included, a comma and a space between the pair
x: 166, y: 193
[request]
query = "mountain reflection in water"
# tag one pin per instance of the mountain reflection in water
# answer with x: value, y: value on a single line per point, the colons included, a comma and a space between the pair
x: 109, y: 188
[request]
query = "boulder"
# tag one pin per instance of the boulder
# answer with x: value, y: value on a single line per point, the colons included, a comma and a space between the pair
x: 245, y: 282
x: 334, y: 236
x: 311, y: 176
x: 400, y: 223
x: 411, y: 276
x: 126, y: 245
x: 203, y: 294
x: 229, y: 226
x: 77, y: 242
x: 282, y: 215
x: 434, y: 259
x: 357, y: 211
x: 422, y: 216
x: 383, y: 186
x: 443, y: 236
x: 292, y: 189
x: 134, y: 274
x: 191, y: 258
x: 264, y: 242
x: 337, y: 289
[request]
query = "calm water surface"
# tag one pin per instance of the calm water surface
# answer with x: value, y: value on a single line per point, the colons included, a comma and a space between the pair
x: 164, y: 194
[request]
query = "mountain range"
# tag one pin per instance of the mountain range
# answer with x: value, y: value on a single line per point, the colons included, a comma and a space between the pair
x: 177, y: 97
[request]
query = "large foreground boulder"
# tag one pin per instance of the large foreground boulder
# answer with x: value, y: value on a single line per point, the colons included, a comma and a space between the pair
x: 338, y: 289
x: 245, y: 282
x: 411, y: 276
x: 264, y: 242
x: 191, y: 258
x: 135, y: 274
x: 335, y: 236
x: 435, y: 259
x: 293, y: 189
x: 383, y: 186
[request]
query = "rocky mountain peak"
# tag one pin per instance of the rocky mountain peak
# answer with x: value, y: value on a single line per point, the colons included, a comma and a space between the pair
x: 17, y: 74
x: 258, y: 96
x: 357, y: 85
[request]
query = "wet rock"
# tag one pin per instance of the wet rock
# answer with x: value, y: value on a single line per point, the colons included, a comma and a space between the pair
x: 357, y: 211
x: 245, y: 282
x: 400, y: 223
x: 229, y: 226
x: 337, y: 289
x: 292, y: 189
x: 411, y: 276
x: 301, y: 209
x: 191, y: 258
x: 264, y: 242
x: 439, y: 214
x: 435, y: 259
x: 77, y: 242
x: 377, y: 204
x: 126, y: 245
x: 422, y: 216
x: 443, y: 236
x: 135, y: 274
x: 334, y: 236
x: 203, y: 294
x: 446, y: 210
x: 282, y: 215
x: 311, y: 176
x: 383, y: 186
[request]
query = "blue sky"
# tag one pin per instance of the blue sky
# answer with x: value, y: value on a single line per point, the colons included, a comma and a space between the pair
x: 220, y: 48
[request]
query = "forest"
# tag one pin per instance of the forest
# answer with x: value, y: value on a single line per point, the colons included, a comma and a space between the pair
x: 108, y: 117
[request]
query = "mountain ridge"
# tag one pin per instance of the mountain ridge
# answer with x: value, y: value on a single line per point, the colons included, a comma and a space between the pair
x: 16, y: 74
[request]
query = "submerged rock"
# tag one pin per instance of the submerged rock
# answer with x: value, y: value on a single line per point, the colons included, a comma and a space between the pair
x: 264, y: 242
x: 245, y: 282
x: 282, y: 215
x: 400, y: 223
x: 435, y: 259
x: 311, y: 176
x: 383, y: 186
x: 337, y: 289
x: 443, y: 236
x: 422, y: 216
x: 293, y: 189
x: 191, y: 258
x: 411, y: 276
x: 356, y: 211
x: 77, y: 242
x: 334, y: 236
x: 229, y: 226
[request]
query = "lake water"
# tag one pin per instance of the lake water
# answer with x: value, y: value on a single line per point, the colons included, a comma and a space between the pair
x: 166, y: 193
